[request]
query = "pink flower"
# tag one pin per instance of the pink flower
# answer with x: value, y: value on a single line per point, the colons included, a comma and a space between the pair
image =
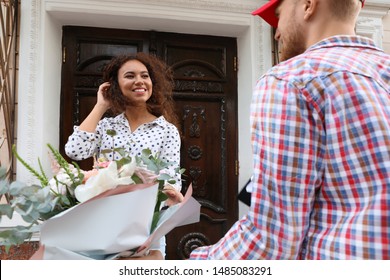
x: 103, y: 164
x: 55, y: 166
x: 89, y: 174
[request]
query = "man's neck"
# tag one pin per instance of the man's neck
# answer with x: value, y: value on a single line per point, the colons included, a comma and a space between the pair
x: 324, y: 31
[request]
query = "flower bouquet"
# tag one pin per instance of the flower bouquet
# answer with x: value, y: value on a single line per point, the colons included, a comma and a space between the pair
x: 114, y: 210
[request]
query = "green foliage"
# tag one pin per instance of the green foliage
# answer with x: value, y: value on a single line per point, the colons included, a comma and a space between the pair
x: 37, y: 203
x: 76, y: 178
x: 41, y: 177
x: 31, y: 202
x: 152, y: 163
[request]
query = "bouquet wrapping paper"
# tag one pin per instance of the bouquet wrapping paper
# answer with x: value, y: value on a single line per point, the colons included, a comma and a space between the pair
x: 114, y: 223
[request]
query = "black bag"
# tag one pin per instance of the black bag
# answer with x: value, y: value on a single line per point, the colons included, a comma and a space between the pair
x: 245, y: 196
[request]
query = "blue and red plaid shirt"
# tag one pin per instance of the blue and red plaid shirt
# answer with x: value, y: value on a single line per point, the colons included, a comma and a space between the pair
x: 321, y: 147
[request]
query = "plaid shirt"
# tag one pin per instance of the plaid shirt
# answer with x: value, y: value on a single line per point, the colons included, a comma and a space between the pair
x: 321, y: 144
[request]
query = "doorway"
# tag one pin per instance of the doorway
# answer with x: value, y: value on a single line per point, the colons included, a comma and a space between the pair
x: 205, y: 95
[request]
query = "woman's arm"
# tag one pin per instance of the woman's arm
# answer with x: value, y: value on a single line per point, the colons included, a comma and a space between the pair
x: 83, y: 142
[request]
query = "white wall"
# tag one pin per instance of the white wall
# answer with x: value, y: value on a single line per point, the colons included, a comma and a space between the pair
x: 386, y: 33
x: 39, y: 87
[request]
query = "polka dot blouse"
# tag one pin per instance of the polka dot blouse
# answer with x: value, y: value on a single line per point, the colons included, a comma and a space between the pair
x: 159, y: 136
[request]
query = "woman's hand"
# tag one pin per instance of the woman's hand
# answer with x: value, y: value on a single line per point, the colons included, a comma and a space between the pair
x: 101, y: 101
x: 102, y: 105
x: 174, y: 196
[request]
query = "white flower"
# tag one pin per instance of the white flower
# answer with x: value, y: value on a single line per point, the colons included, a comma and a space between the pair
x: 60, y: 185
x: 105, y: 179
x: 127, y: 170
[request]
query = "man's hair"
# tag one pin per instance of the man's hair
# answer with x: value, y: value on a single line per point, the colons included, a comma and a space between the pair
x: 344, y: 9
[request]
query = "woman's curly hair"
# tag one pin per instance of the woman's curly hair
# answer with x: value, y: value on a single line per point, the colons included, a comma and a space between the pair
x: 161, y: 101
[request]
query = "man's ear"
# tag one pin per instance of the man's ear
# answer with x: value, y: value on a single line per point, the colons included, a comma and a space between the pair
x: 310, y: 8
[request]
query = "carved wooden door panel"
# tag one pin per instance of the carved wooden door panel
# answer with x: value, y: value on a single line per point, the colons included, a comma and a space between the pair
x: 206, y: 102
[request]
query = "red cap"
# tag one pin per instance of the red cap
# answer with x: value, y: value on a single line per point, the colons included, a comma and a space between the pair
x: 267, y: 12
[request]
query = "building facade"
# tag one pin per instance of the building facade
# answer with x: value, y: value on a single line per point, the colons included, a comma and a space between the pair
x: 40, y: 54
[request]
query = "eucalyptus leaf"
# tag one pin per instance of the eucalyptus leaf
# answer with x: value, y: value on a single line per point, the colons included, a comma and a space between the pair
x: 3, y: 172
x: 6, y: 209
x: 16, y: 188
x: 64, y: 199
x: 14, y: 236
x: 151, y: 165
x: 164, y: 176
x: 4, y: 187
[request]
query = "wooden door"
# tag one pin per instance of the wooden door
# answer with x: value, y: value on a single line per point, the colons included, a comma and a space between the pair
x: 206, y: 102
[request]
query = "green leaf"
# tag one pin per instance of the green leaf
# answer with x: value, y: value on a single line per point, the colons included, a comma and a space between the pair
x: 64, y: 199
x: 164, y: 177
x: 150, y: 164
x: 156, y: 217
x: 180, y: 170
x: 122, y: 152
x: 136, y: 179
x: 6, y: 209
x: 4, y: 187
x: 106, y: 151
x: 111, y: 132
x: 3, y: 173
x: 161, y: 196
x: 146, y: 152
x: 16, y: 188
x: 122, y: 162
x: 14, y: 236
x: 44, y: 177
x: 41, y: 177
x: 79, y: 172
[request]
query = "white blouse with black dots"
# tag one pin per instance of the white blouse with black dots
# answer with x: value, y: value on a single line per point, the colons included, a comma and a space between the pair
x: 159, y: 136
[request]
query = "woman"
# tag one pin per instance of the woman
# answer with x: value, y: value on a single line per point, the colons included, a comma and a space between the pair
x: 139, y: 89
